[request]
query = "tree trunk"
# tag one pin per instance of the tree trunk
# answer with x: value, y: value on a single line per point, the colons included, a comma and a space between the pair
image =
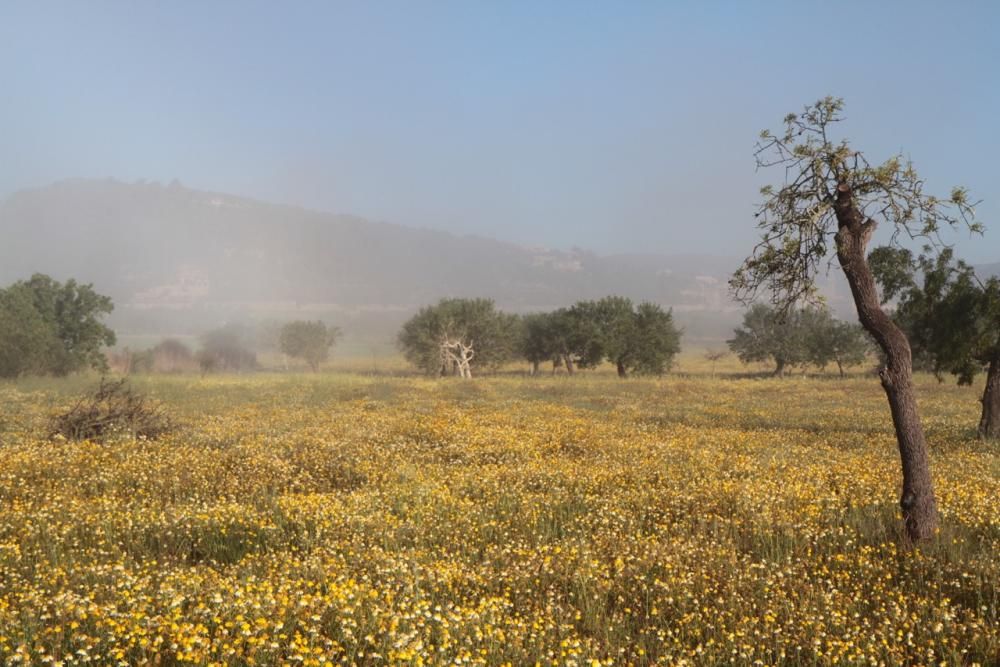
x: 917, y: 499
x: 622, y: 373
x: 534, y: 368
x: 840, y: 367
x: 989, y: 423
x: 779, y: 370
x: 568, y: 360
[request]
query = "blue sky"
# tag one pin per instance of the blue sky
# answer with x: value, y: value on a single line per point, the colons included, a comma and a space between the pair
x: 618, y: 127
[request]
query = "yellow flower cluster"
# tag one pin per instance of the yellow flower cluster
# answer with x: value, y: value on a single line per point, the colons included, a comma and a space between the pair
x: 336, y: 520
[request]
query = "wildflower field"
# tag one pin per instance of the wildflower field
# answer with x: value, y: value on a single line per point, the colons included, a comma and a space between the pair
x: 343, y: 519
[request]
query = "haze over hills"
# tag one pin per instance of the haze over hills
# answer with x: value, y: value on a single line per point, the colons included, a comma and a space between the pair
x: 174, y: 259
x: 179, y: 261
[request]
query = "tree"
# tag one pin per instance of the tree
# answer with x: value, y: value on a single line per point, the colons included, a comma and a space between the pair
x: 539, y: 341
x: 829, y: 340
x: 639, y: 340
x: 55, y: 327
x: 714, y: 356
x: 652, y: 341
x: 226, y: 349
x: 833, y: 197
x: 952, y: 319
x: 27, y: 341
x: 768, y: 334
x: 309, y: 341
x: 614, y: 320
x: 579, y: 341
x: 171, y: 356
x: 456, y: 336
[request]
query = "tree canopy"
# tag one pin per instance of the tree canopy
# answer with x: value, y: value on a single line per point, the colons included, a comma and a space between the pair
x: 309, y: 341
x: 227, y: 348
x: 488, y: 336
x: 801, y: 337
x: 52, y: 327
x: 951, y: 317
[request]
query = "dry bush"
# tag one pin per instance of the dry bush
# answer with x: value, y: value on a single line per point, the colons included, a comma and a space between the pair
x: 113, y: 408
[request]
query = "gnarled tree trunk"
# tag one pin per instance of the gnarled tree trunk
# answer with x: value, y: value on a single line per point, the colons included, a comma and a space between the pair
x: 989, y: 423
x: 918, y: 502
x: 570, y: 366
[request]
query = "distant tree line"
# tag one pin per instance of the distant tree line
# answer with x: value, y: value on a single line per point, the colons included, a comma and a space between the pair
x: 233, y: 349
x: 799, y: 338
x: 463, y: 336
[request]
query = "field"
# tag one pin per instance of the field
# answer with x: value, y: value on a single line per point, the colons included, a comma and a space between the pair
x: 348, y: 519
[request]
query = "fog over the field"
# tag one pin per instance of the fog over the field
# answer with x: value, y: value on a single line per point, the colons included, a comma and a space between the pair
x: 587, y: 148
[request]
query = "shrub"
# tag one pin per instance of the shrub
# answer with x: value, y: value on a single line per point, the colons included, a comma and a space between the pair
x: 113, y: 407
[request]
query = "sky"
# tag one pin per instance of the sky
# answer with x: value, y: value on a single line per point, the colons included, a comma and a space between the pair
x: 616, y: 127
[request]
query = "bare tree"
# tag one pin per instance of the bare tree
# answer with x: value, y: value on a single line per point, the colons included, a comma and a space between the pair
x: 833, y: 198
x: 714, y: 356
x: 458, y: 355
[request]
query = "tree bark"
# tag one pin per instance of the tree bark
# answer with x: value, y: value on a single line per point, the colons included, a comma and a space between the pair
x: 917, y: 500
x: 989, y: 423
x: 568, y: 360
x: 534, y: 368
x: 622, y: 373
x: 779, y: 370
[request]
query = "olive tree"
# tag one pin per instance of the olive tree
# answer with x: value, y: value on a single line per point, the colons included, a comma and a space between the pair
x: 309, y: 341
x: 831, y: 200
x: 769, y: 334
x: 456, y: 336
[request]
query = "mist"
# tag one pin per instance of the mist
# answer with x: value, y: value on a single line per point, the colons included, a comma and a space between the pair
x: 238, y: 163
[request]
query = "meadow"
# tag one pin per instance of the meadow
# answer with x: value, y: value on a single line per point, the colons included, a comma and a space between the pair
x: 340, y: 518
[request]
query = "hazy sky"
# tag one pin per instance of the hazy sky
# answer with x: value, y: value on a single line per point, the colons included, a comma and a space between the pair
x: 613, y: 126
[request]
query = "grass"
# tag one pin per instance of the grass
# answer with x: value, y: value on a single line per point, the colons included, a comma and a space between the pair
x: 342, y: 518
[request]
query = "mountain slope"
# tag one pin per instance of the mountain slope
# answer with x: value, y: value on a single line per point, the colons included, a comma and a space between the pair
x: 170, y: 248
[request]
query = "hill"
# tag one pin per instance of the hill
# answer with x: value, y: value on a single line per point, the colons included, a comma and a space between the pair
x: 178, y: 259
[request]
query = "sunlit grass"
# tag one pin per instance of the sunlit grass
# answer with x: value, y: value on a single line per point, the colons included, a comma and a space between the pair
x: 349, y: 519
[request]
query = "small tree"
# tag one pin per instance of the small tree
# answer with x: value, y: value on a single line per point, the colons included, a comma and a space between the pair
x: 654, y: 341
x: 226, y: 349
x: 615, y: 322
x: 456, y: 336
x: 832, y: 199
x: 829, y: 340
x: 951, y: 317
x: 768, y: 334
x: 539, y: 341
x: 578, y: 339
x: 171, y: 356
x: 714, y: 356
x: 309, y: 341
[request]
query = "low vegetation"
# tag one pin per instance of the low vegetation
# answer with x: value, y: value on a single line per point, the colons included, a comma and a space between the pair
x: 113, y: 409
x: 333, y: 519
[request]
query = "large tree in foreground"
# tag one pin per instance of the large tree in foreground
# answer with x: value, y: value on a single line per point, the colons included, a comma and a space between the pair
x: 832, y: 199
